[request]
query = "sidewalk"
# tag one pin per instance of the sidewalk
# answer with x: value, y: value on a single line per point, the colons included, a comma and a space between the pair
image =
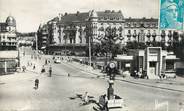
x: 19, y: 77
x: 29, y: 72
x: 176, y: 84
x: 85, y: 68
x: 29, y: 62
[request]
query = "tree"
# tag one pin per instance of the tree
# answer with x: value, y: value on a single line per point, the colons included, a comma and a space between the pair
x: 108, y: 43
x: 96, y: 49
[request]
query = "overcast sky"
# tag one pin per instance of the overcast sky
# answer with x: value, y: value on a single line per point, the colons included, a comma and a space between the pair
x: 30, y: 13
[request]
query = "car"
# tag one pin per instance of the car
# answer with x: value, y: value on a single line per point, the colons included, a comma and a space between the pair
x: 170, y: 75
x: 57, y: 60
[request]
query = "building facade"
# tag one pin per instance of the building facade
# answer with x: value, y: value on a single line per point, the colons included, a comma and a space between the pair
x: 152, y: 61
x: 72, y: 32
x: 146, y: 30
x: 8, y: 46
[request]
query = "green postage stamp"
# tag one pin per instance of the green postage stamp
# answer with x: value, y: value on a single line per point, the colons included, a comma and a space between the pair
x: 171, y: 14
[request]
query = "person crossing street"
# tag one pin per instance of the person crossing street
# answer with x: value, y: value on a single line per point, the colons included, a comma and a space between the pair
x: 50, y: 71
x: 36, y: 83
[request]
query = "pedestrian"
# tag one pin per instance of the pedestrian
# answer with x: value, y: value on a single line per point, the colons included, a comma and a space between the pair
x: 50, y: 71
x: 36, y: 83
x: 139, y: 74
x: 45, y: 61
x: 43, y: 69
x: 34, y: 67
x: 68, y: 74
x: 23, y: 68
x: 135, y: 74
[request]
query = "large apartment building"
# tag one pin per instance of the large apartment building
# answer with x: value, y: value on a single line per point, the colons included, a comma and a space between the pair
x: 72, y: 33
x: 8, y: 46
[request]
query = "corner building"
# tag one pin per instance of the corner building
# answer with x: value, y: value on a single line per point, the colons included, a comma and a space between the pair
x: 8, y: 46
x: 70, y: 33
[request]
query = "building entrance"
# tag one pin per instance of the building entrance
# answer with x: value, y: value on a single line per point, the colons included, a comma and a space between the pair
x: 152, y: 68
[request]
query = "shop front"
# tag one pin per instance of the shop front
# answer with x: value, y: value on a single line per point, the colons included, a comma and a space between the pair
x: 124, y: 64
x: 153, y: 62
x: 8, y: 61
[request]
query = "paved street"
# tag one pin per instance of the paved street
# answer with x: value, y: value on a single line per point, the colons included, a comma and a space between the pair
x: 53, y: 94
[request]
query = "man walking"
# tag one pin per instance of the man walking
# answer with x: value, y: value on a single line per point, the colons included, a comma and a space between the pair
x: 36, y: 83
x: 50, y: 71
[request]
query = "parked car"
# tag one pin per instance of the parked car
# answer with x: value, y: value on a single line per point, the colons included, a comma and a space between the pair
x: 57, y: 60
x: 170, y: 75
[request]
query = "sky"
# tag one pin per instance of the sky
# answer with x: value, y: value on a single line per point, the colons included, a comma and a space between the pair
x: 29, y: 14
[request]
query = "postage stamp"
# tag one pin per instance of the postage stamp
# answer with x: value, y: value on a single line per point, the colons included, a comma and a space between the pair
x: 171, y: 14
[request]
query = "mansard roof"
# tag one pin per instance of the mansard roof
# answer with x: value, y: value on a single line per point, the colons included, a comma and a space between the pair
x: 82, y: 17
x: 78, y: 17
x: 109, y: 15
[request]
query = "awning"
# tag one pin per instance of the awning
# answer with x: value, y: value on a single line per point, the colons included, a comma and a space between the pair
x: 171, y: 57
x: 124, y: 57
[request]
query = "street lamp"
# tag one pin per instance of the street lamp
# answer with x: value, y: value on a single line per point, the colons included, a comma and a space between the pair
x: 89, y: 51
x: 89, y: 31
x: 110, y: 90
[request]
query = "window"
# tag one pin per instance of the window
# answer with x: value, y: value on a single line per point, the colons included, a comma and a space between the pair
x: 169, y: 65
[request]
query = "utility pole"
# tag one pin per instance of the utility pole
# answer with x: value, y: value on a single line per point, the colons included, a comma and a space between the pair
x: 89, y: 51
x: 36, y: 45
x: 36, y: 42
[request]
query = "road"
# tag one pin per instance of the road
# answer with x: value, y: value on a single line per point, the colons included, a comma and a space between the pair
x: 54, y: 92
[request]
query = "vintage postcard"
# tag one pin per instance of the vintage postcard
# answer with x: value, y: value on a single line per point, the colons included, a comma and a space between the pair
x: 91, y: 55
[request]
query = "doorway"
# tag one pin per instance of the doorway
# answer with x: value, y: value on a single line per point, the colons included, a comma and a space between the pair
x: 153, y: 68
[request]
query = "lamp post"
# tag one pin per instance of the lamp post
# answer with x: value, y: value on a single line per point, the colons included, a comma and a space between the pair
x: 36, y: 42
x: 110, y: 90
x: 36, y: 45
x: 89, y: 51
x: 18, y: 57
x: 89, y: 34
